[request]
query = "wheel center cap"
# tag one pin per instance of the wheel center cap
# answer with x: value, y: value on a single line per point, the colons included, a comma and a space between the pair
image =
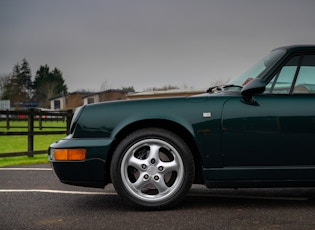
x: 152, y: 170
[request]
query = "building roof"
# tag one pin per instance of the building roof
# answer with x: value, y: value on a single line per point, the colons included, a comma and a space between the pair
x: 172, y: 92
x: 105, y: 91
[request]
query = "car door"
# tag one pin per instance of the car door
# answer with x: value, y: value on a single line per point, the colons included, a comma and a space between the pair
x: 278, y: 131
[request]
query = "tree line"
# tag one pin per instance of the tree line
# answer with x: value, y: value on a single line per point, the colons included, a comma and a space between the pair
x: 21, y: 90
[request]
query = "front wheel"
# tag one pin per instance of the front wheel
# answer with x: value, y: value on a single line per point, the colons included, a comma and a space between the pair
x: 152, y: 168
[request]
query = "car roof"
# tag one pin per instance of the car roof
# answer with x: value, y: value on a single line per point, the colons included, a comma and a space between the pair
x: 302, y: 47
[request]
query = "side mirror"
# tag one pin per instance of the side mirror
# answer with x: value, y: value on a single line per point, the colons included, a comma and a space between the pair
x: 255, y: 86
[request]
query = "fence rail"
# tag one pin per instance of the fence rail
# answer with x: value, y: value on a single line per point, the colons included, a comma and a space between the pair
x: 30, y: 116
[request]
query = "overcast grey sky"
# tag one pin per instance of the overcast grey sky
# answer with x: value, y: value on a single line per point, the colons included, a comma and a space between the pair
x: 149, y: 43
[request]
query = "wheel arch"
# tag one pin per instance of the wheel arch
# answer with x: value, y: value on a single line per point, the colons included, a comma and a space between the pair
x: 172, y: 126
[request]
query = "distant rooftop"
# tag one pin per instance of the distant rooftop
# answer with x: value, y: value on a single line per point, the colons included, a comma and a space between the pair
x: 166, y: 93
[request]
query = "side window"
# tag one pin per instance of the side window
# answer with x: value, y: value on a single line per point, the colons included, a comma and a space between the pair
x: 305, y: 82
x: 282, y: 81
x: 297, y: 76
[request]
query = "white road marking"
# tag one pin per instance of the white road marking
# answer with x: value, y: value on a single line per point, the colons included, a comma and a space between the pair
x: 113, y: 193
x: 26, y: 169
x: 56, y: 191
x: 46, y: 190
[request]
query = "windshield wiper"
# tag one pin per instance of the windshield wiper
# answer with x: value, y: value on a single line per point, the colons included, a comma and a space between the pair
x: 214, y: 89
x: 219, y: 88
x: 229, y: 86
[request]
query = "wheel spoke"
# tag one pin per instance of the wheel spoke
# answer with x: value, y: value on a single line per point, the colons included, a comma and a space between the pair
x: 140, y: 183
x: 154, y: 152
x: 169, y: 166
x: 135, y: 162
x: 161, y: 186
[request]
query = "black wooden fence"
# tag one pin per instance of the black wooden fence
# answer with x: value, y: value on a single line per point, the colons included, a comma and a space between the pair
x: 30, y: 116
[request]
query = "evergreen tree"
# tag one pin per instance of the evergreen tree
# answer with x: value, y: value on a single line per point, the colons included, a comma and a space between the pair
x: 129, y: 89
x: 25, y: 77
x: 14, y: 90
x: 18, y: 86
x: 48, y: 84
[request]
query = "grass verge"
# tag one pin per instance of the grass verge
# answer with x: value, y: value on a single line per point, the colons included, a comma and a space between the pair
x: 24, y: 160
x: 19, y: 144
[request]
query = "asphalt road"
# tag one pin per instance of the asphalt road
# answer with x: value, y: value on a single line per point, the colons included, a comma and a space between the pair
x: 33, y: 198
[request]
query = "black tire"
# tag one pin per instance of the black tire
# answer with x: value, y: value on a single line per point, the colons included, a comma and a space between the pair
x: 152, y: 168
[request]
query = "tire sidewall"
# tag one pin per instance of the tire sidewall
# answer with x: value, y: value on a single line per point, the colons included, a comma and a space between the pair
x: 153, y: 133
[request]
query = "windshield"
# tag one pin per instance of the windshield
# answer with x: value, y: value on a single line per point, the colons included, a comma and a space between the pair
x: 258, y: 69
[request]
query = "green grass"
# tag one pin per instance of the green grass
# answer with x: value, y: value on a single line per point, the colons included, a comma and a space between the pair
x: 19, y: 143
x: 23, y: 160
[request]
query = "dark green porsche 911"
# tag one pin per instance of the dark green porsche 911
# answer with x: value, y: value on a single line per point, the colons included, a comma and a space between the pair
x: 256, y: 131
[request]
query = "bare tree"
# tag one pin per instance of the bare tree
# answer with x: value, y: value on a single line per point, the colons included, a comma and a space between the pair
x: 4, y: 82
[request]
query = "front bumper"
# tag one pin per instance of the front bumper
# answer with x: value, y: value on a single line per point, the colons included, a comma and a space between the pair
x: 90, y: 172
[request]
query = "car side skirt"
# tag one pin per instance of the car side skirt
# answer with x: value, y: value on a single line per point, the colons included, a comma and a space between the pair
x: 242, y: 177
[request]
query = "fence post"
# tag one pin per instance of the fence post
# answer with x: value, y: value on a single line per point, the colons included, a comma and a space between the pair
x: 8, y: 119
x: 40, y: 120
x: 30, y: 146
x: 69, y: 117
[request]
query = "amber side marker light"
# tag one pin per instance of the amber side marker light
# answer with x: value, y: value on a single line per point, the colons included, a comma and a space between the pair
x: 69, y: 154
